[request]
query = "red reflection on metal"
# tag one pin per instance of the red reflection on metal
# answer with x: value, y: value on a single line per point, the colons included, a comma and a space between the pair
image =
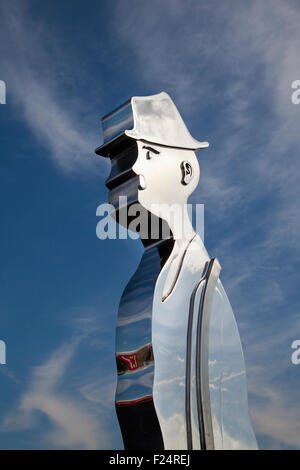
x: 130, y: 360
x: 147, y: 398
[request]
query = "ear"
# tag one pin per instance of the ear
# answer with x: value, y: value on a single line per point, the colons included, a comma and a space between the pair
x: 187, y: 172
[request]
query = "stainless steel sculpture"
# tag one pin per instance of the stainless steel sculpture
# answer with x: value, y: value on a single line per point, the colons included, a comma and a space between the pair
x: 181, y: 371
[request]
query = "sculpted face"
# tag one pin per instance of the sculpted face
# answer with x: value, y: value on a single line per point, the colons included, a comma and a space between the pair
x: 166, y: 175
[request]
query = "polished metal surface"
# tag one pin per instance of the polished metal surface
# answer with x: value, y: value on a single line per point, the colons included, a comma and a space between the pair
x: 181, y: 371
x: 154, y: 119
x: 114, y: 126
x: 227, y: 379
x: 134, y: 354
x: 177, y: 362
x: 157, y: 120
x: 202, y: 348
x: 207, y: 286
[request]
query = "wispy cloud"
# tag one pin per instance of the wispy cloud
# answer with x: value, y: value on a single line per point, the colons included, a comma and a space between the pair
x: 79, y: 406
x: 38, y: 73
x: 273, y: 384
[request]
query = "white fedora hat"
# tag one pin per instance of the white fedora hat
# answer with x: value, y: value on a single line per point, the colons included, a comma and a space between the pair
x: 154, y: 119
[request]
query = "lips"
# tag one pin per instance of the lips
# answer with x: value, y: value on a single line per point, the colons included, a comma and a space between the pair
x: 142, y: 183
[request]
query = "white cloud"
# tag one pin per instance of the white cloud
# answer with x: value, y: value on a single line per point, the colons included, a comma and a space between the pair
x: 39, y: 80
x: 77, y: 416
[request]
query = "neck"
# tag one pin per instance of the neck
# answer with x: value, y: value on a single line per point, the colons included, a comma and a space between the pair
x: 174, y: 219
x: 183, y: 233
x: 182, y: 229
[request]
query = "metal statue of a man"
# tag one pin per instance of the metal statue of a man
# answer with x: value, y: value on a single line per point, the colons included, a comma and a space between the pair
x: 181, y: 371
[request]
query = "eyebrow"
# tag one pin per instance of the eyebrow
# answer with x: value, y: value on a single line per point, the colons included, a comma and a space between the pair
x: 152, y: 149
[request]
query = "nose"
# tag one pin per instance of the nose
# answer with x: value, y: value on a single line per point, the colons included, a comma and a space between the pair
x: 138, y: 167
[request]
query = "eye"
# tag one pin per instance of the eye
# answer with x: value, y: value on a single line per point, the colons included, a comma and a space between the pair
x: 150, y: 152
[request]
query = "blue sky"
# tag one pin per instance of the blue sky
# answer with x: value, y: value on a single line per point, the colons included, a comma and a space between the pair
x: 229, y: 67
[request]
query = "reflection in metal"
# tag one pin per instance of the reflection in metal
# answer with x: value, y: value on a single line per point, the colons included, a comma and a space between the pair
x: 181, y: 372
x: 135, y: 360
x: 207, y: 285
x: 202, y: 376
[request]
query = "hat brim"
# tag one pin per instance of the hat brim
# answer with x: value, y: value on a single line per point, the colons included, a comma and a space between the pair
x: 116, y: 145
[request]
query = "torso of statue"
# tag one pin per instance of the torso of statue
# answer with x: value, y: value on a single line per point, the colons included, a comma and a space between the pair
x: 155, y: 373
